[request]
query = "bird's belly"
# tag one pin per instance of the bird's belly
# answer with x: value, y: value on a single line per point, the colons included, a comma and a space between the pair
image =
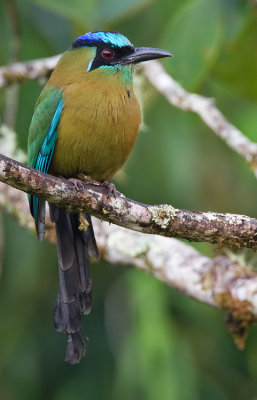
x: 96, y: 133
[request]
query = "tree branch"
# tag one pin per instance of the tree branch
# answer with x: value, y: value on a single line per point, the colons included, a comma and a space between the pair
x: 19, y: 72
x: 219, y: 282
x: 93, y: 198
x: 205, y: 108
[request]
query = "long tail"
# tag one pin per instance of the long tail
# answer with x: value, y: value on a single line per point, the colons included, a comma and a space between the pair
x: 74, y: 298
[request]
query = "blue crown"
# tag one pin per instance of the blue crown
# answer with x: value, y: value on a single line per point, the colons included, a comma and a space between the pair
x: 91, y: 39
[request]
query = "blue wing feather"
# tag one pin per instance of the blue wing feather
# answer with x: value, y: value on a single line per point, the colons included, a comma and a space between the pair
x: 43, y: 160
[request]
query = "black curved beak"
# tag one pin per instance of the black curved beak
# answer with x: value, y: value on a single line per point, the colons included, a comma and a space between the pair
x: 143, y: 54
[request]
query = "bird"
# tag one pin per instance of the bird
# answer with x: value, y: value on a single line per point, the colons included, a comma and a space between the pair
x: 86, y: 121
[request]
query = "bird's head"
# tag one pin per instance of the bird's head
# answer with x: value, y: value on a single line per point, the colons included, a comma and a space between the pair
x: 114, y: 51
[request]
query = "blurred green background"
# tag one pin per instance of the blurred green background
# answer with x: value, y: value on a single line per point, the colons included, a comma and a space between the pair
x: 146, y: 341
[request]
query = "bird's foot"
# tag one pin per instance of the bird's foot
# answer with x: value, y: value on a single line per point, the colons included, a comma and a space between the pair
x: 111, y: 189
x: 79, y: 186
x: 87, y: 180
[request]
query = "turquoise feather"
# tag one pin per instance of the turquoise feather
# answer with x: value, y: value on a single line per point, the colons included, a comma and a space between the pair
x: 43, y: 136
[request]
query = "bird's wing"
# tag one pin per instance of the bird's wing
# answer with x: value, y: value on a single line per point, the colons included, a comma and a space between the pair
x: 41, y: 144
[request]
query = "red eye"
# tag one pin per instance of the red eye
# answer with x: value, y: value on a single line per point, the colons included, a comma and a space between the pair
x: 107, y: 53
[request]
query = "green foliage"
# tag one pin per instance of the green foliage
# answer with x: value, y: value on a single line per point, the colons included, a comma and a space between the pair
x: 146, y: 340
x: 76, y: 12
x: 195, y: 37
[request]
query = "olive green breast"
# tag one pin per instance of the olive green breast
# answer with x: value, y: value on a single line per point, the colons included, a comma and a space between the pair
x: 98, y: 126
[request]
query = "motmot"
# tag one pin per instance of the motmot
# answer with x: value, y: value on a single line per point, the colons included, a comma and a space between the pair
x: 86, y: 121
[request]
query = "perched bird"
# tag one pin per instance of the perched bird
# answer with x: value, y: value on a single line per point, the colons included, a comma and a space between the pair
x: 85, y: 121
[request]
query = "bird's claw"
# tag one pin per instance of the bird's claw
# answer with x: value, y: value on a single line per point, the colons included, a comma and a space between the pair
x: 111, y: 189
x: 84, y: 179
x: 79, y: 186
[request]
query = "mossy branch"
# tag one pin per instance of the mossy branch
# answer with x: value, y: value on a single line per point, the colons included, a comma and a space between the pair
x: 95, y: 198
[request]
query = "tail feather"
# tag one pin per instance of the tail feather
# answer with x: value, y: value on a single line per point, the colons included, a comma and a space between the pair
x: 37, y: 209
x: 74, y: 295
x: 82, y: 254
x: 89, y: 237
x: 67, y: 316
x: 40, y: 222
x: 65, y: 241
x: 75, y: 349
x: 84, y: 242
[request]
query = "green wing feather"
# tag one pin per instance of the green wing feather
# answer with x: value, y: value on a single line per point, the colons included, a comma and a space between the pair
x: 41, y: 144
x: 43, y: 114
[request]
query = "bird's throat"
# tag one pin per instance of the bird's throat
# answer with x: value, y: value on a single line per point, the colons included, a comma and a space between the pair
x: 123, y: 72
